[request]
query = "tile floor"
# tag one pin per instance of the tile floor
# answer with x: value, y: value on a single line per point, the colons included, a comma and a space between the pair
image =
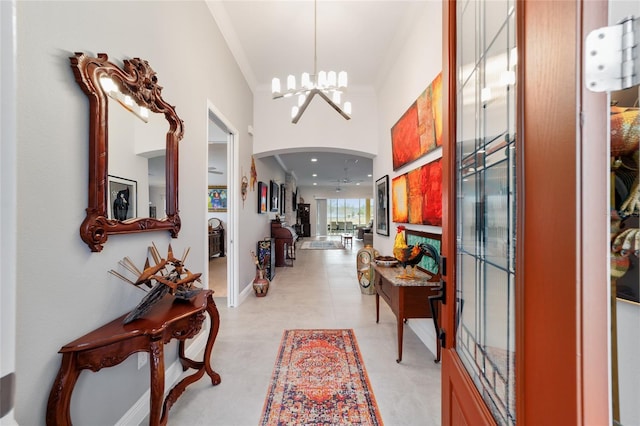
x: 319, y: 291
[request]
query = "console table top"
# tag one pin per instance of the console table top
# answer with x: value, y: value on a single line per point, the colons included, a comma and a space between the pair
x: 391, y: 273
x: 166, y: 311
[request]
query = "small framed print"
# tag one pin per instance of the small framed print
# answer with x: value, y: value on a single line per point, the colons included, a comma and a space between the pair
x: 122, y: 198
x: 217, y: 198
x: 263, y: 190
x: 382, y: 205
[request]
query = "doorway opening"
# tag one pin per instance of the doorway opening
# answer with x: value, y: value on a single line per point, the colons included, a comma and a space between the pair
x: 221, y: 265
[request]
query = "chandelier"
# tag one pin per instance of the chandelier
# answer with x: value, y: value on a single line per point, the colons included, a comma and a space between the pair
x: 328, y: 85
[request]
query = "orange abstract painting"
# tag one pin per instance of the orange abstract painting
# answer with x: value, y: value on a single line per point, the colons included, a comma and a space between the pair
x: 399, y: 199
x: 419, y: 130
x: 417, y: 195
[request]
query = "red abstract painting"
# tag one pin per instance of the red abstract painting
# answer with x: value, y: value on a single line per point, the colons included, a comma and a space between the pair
x: 417, y: 195
x: 419, y: 130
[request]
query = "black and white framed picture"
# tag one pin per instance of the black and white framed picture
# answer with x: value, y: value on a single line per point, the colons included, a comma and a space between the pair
x: 122, y: 198
x: 274, y: 195
x: 382, y: 205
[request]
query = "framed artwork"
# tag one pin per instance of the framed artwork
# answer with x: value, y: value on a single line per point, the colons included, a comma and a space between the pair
x: 382, y: 205
x: 274, y: 204
x: 417, y: 195
x: 217, y: 198
x: 283, y: 198
x: 123, y: 195
x: 419, y: 130
x: 262, y: 197
x: 427, y: 264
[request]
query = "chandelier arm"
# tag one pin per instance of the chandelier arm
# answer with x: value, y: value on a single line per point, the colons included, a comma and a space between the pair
x: 336, y: 107
x: 304, y: 106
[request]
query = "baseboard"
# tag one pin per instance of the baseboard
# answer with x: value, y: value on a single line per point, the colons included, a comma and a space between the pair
x: 245, y: 293
x: 140, y: 410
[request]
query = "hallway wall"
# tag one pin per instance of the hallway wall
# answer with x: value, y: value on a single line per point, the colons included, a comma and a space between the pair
x: 64, y: 290
x: 416, y: 65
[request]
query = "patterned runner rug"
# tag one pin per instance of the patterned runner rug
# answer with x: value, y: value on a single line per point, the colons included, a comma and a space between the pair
x: 320, y: 379
x: 321, y: 245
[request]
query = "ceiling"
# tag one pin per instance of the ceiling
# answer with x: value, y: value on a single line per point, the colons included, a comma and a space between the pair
x: 275, y: 38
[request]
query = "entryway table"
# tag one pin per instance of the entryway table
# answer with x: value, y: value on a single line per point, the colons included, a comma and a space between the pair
x: 114, y: 342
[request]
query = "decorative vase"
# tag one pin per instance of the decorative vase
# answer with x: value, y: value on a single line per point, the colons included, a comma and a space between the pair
x: 260, y: 284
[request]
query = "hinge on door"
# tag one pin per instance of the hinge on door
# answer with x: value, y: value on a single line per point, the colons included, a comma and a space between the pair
x: 612, y: 56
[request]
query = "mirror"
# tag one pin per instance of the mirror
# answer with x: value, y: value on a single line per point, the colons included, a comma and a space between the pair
x: 121, y: 199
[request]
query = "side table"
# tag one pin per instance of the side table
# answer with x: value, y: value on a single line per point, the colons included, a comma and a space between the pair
x: 407, y: 298
x: 114, y: 342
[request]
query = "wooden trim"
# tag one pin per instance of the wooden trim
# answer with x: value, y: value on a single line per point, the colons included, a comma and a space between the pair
x: 548, y: 291
x: 561, y: 336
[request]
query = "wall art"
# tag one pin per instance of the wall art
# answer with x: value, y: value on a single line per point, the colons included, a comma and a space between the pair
x: 263, y: 190
x: 417, y: 195
x: 419, y: 130
x: 382, y: 205
x: 122, y: 198
x: 274, y: 203
x: 217, y: 198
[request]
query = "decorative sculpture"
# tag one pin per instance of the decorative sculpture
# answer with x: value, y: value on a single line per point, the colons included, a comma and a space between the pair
x: 167, y: 276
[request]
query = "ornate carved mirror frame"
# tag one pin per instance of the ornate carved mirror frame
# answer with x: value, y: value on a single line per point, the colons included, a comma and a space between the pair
x: 138, y: 80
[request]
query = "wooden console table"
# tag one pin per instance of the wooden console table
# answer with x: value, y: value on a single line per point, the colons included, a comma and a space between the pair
x: 407, y: 298
x: 114, y: 342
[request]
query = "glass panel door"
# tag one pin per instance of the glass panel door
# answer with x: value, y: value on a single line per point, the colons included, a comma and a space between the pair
x: 486, y: 200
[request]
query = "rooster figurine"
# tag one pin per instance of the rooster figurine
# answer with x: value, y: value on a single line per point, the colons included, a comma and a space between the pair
x: 410, y: 256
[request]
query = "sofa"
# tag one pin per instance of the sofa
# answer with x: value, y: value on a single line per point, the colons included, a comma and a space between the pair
x: 364, y: 230
x: 367, y: 239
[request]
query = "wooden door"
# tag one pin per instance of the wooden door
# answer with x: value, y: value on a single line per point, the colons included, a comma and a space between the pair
x: 525, y: 217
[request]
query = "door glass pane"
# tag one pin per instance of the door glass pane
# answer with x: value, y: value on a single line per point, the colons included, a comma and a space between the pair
x: 485, y: 160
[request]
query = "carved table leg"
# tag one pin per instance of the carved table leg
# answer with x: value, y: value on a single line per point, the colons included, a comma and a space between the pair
x: 377, y: 307
x: 201, y: 367
x: 58, y: 406
x: 156, y: 367
x: 214, y: 315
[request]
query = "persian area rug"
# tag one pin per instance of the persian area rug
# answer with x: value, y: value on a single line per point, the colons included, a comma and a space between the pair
x: 321, y: 245
x: 320, y: 379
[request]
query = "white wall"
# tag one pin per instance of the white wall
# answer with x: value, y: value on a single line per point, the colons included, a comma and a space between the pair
x: 418, y: 62
x: 63, y: 289
x: 8, y: 196
x: 320, y: 127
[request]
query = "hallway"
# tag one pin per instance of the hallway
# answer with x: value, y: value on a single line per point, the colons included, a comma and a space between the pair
x: 319, y: 291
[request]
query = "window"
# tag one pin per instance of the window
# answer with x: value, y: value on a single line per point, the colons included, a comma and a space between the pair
x: 346, y: 214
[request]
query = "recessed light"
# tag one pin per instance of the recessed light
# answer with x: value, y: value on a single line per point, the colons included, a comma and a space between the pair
x: 369, y: 175
x: 315, y: 183
x: 315, y: 175
x: 313, y: 160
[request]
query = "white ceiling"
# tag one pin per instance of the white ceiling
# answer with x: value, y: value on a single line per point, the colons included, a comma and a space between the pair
x: 274, y: 38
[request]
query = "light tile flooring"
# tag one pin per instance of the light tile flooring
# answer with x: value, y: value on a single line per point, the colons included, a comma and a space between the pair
x: 319, y: 291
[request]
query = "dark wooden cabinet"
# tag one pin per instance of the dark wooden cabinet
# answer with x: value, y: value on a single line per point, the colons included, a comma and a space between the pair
x: 216, y: 238
x: 267, y: 247
x: 304, y: 220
